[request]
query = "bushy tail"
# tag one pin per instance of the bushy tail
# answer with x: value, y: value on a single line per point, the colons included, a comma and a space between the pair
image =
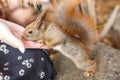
x: 74, y: 22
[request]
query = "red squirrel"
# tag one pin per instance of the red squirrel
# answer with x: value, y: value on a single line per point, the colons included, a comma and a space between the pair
x: 51, y: 35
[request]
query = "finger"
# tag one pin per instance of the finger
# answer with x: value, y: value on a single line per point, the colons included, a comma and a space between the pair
x: 31, y: 44
x: 13, y: 4
x: 14, y: 42
x: 7, y: 37
x: 44, y: 47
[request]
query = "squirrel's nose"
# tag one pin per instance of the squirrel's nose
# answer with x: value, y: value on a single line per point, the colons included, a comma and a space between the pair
x: 24, y: 36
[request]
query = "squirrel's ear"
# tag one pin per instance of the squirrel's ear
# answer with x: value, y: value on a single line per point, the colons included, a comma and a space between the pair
x: 39, y: 19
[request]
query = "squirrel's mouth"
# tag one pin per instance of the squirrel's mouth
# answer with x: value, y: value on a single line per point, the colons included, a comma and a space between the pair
x: 29, y: 39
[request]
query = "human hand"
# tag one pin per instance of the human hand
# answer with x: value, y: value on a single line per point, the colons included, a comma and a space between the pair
x: 20, y: 14
x: 18, y: 11
x: 11, y: 34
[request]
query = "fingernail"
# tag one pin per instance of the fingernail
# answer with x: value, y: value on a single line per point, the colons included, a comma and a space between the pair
x: 22, y: 49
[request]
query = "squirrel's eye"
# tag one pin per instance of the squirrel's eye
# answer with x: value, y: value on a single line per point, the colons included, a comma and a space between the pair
x: 30, y: 32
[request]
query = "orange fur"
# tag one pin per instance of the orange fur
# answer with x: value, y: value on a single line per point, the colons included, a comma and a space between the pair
x: 85, y: 28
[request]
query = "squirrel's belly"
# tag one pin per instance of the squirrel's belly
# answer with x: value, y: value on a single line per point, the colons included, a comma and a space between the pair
x: 61, y: 48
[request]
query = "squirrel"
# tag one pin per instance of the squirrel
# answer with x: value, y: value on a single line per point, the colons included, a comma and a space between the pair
x: 51, y: 35
x: 65, y: 14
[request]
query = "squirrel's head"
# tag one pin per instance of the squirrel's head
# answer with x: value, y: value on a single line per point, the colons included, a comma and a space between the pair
x: 33, y: 30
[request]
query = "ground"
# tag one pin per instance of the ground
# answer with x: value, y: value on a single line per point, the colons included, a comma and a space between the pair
x: 108, y: 65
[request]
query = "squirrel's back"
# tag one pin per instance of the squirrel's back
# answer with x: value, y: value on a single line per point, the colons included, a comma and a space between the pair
x: 68, y: 16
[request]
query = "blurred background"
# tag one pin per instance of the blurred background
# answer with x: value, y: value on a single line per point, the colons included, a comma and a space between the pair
x: 106, y: 14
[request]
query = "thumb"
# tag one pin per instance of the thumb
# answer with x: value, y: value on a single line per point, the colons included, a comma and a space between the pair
x: 14, y: 42
x: 9, y: 38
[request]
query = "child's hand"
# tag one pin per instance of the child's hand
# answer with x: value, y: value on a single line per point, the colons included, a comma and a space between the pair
x: 11, y: 33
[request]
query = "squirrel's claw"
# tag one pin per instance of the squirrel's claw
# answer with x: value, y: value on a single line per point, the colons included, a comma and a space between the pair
x: 41, y: 42
x: 88, y: 73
